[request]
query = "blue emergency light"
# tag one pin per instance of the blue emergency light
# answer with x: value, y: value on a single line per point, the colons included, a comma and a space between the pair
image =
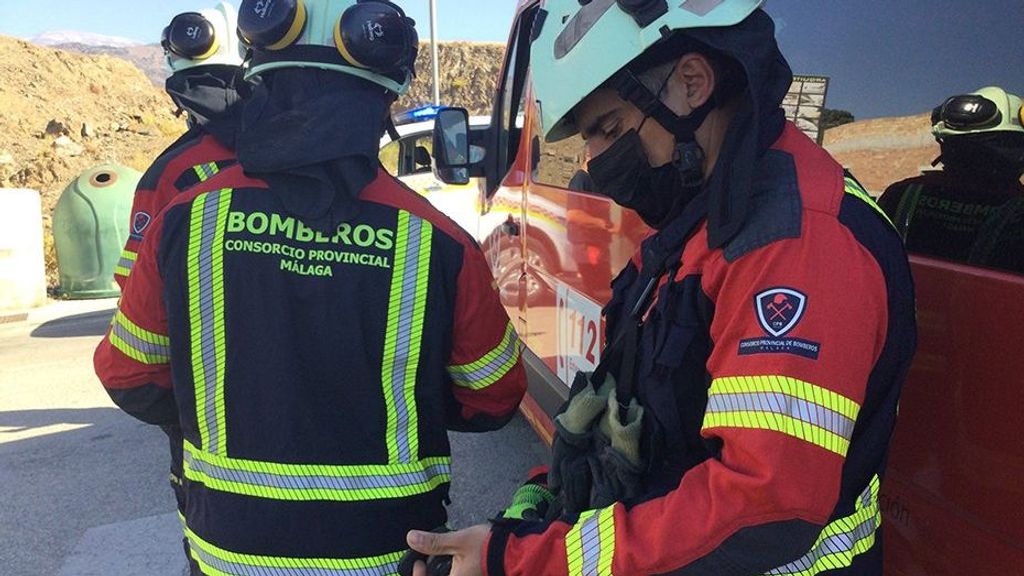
x: 420, y: 114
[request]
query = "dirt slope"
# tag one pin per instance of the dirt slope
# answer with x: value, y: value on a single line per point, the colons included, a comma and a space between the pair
x: 884, y: 150
x: 61, y: 113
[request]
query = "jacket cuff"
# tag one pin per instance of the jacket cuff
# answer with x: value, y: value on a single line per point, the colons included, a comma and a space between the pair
x: 494, y: 550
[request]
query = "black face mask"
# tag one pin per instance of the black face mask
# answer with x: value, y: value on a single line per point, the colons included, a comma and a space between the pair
x: 997, y: 157
x: 623, y: 174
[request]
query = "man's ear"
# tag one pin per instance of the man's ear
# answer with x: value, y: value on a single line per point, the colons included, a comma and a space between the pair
x: 694, y: 80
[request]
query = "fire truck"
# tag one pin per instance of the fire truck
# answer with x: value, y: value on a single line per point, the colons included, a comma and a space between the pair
x: 954, y: 489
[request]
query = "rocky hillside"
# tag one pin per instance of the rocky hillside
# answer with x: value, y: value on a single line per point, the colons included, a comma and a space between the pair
x: 61, y: 113
x: 469, y: 76
x: 469, y: 71
x: 149, y: 57
x: 884, y: 150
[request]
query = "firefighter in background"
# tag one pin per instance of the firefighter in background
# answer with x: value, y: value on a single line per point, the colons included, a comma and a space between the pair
x: 944, y: 213
x: 758, y: 340
x: 312, y: 325
x: 204, y: 56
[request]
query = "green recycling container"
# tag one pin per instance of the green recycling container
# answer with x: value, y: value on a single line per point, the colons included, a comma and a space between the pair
x: 90, y: 227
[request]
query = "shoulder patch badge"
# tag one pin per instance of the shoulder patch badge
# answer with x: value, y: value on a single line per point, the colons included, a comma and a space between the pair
x: 779, y: 310
x: 140, y: 222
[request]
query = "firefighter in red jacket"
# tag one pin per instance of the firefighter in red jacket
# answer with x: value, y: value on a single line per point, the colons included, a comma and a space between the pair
x: 758, y: 340
x: 312, y: 325
x: 204, y: 55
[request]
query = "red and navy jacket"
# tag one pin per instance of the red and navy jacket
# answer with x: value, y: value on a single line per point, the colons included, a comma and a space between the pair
x: 770, y: 371
x: 314, y: 373
x: 193, y: 158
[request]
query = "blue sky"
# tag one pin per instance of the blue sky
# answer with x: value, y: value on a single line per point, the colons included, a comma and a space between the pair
x: 885, y: 58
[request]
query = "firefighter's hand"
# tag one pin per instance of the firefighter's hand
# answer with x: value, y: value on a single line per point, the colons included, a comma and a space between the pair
x: 466, y: 547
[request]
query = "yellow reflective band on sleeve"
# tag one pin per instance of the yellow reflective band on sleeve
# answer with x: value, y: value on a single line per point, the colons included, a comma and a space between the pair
x: 138, y: 344
x: 205, y: 272
x: 217, y: 561
x: 854, y: 189
x: 786, y: 405
x: 404, y: 335
x: 842, y: 539
x: 590, y: 543
x: 315, y: 482
x: 492, y: 366
x: 126, y: 263
x: 206, y: 171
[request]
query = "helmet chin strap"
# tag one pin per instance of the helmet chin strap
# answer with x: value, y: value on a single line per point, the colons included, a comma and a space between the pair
x: 688, y: 157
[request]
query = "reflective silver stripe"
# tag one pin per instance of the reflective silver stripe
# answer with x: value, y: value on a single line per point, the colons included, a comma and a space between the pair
x: 786, y: 405
x: 840, y: 544
x: 207, y: 312
x: 212, y: 558
x: 147, y: 349
x: 126, y: 264
x: 590, y: 536
x: 346, y: 483
x: 408, y: 338
x: 842, y: 539
x: 205, y: 271
x: 497, y: 367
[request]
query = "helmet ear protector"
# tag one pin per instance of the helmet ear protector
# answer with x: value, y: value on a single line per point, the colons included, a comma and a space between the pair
x: 968, y: 112
x: 190, y: 36
x: 375, y: 35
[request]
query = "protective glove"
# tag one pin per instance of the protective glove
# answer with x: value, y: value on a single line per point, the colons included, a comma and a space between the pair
x: 615, y: 462
x: 532, y: 500
x: 436, y: 565
x: 570, y: 475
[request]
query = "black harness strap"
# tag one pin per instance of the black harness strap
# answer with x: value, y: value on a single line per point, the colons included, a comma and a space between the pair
x: 661, y: 253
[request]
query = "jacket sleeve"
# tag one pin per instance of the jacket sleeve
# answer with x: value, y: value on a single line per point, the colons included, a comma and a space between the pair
x: 781, y: 412
x: 486, y: 365
x: 133, y: 359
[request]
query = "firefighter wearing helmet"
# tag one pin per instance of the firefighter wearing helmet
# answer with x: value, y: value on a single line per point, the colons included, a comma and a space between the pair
x: 971, y: 209
x: 741, y: 415
x: 204, y: 56
x: 313, y: 326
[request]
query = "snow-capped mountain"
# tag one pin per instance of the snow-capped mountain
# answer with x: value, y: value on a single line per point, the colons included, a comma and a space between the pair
x: 58, y: 37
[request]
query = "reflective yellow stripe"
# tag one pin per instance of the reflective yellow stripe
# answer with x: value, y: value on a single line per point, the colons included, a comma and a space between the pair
x: 404, y: 334
x: 137, y: 343
x: 126, y: 263
x: 315, y: 482
x: 853, y: 188
x: 841, y: 540
x: 590, y: 543
x: 492, y: 366
x: 217, y: 561
x: 574, y: 544
x: 786, y: 405
x: 205, y: 270
x: 206, y: 171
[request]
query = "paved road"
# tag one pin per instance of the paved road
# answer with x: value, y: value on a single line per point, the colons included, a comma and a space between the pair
x: 83, y: 489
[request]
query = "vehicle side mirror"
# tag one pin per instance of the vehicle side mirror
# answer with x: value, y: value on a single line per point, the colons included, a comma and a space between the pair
x: 451, y: 146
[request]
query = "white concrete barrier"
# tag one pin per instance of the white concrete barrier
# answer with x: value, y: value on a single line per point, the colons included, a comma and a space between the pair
x: 22, y: 270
